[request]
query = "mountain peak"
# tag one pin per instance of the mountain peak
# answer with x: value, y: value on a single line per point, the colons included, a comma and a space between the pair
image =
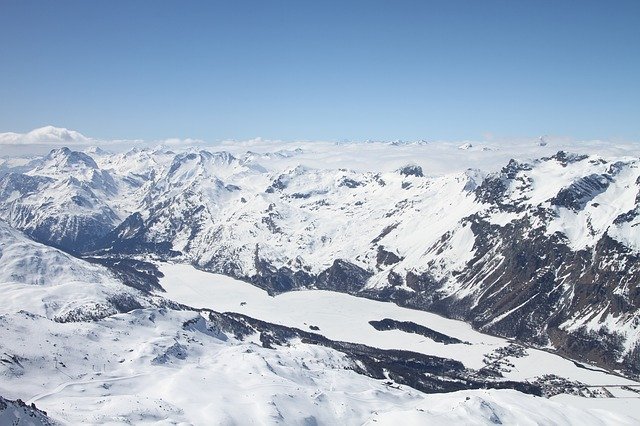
x: 411, y: 170
x: 64, y: 157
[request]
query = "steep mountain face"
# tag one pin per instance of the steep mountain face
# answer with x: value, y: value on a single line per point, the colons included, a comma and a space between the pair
x: 19, y: 413
x: 66, y: 200
x: 553, y: 266
x: 543, y: 251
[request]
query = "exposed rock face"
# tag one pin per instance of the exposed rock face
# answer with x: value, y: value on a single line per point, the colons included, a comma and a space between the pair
x: 277, y: 280
x: 19, y: 413
x: 386, y: 258
x: 579, y: 193
x: 411, y: 170
x: 540, y: 286
x: 343, y: 276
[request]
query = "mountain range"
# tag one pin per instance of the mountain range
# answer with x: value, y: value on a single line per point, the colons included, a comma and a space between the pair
x: 542, y: 248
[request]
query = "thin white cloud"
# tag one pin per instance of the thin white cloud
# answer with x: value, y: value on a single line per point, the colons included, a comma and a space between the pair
x: 435, y: 157
x: 180, y: 142
x: 40, y: 141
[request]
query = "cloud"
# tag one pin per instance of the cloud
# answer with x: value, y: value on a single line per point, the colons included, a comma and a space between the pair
x: 51, y: 136
x: 48, y: 135
x: 181, y: 142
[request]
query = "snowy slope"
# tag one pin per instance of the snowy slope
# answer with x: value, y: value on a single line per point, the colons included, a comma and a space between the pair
x: 179, y: 367
x: 172, y: 367
x: 45, y: 281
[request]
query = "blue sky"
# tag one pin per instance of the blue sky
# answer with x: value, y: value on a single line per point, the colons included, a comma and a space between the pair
x: 328, y: 70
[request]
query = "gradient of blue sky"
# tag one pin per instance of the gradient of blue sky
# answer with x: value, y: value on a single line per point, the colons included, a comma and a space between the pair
x: 333, y: 70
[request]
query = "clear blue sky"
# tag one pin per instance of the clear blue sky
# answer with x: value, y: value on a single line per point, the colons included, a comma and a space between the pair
x: 322, y: 69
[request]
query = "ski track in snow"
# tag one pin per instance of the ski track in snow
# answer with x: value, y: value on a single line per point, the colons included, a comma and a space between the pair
x: 62, y: 386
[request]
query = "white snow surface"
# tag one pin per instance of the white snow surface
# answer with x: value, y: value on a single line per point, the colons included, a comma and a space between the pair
x: 344, y: 317
x: 51, y: 283
x: 145, y: 368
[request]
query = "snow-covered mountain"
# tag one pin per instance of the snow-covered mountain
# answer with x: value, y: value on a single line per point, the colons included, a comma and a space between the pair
x: 48, y: 282
x: 19, y: 413
x: 543, y: 249
x: 67, y: 200
x: 154, y: 365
